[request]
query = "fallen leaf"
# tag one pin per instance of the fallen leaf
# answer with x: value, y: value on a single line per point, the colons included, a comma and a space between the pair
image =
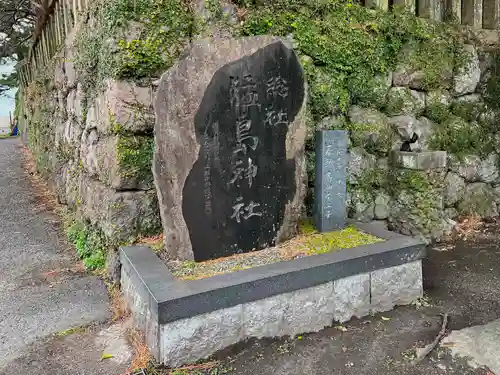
x: 341, y: 328
x: 385, y: 318
x: 448, y: 345
x: 106, y: 356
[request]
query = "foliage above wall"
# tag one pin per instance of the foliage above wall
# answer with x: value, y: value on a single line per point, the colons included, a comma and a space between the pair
x: 350, y: 47
x: 131, y: 39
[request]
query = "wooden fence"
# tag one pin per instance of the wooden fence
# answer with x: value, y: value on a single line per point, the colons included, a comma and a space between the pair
x: 50, y: 33
x: 62, y: 16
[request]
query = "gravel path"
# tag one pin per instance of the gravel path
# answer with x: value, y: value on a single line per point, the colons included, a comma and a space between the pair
x: 35, y: 301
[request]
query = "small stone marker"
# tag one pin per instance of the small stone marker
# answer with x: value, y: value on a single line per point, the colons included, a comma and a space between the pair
x: 230, y: 135
x: 331, y: 177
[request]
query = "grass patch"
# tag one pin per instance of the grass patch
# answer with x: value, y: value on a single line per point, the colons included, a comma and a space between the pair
x: 90, y: 244
x: 203, y: 368
x: 309, y: 242
x: 156, y: 243
x: 70, y: 331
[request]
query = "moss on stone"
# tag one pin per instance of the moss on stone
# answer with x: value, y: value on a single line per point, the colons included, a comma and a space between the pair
x: 41, y: 129
x: 375, y: 138
x: 129, y: 39
x: 135, y: 157
x: 372, y: 180
x: 402, y: 101
x: 438, y: 112
x: 418, y: 203
x: 479, y: 199
x: 308, y: 243
x: 468, y: 110
x: 350, y: 44
x: 320, y: 243
x: 461, y: 138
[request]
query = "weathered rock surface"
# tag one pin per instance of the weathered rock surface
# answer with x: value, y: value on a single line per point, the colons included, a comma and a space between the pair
x: 466, y: 79
x: 473, y: 169
x: 382, y: 203
x: 468, y: 168
x: 362, y: 206
x: 405, y: 75
x: 426, y: 221
x: 438, y: 97
x: 122, y: 107
x: 120, y: 215
x: 424, y: 129
x: 468, y: 107
x: 359, y: 161
x: 479, y: 199
x: 351, y: 297
x: 121, y: 162
x: 398, y: 285
x: 403, y: 101
x: 454, y: 189
x: 488, y: 171
x: 478, y: 344
x: 113, y: 266
x: 405, y: 126
x: 203, y: 335
x: 371, y: 129
x: 368, y: 116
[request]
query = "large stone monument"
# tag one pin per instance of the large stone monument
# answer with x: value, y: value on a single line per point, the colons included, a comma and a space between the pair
x: 229, y: 161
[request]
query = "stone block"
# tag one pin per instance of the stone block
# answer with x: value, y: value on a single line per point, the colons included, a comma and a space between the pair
x: 358, y: 162
x: 403, y: 101
x: 310, y: 310
x: 421, y: 161
x: 466, y: 79
x: 121, y: 162
x: 143, y: 313
x: 265, y: 317
x: 120, y: 215
x: 188, y: 340
x: 478, y: 199
x: 454, y: 189
x: 123, y: 107
x: 69, y: 58
x: 351, y: 297
x: 398, y: 285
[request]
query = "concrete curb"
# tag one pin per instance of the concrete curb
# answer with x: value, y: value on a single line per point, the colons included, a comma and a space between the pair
x: 163, y: 305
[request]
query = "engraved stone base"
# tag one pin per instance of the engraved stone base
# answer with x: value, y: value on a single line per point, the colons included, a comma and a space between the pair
x: 289, y: 314
x: 186, y: 321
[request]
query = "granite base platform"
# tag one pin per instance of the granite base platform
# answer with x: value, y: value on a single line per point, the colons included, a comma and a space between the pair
x: 185, y: 321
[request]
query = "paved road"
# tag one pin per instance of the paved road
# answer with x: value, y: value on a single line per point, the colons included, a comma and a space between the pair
x: 35, y: 302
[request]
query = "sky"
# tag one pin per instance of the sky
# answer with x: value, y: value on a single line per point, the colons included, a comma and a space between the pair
x: 7, y: 100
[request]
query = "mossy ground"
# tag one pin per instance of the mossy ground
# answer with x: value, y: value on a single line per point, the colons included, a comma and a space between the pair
x: 309, y: 242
